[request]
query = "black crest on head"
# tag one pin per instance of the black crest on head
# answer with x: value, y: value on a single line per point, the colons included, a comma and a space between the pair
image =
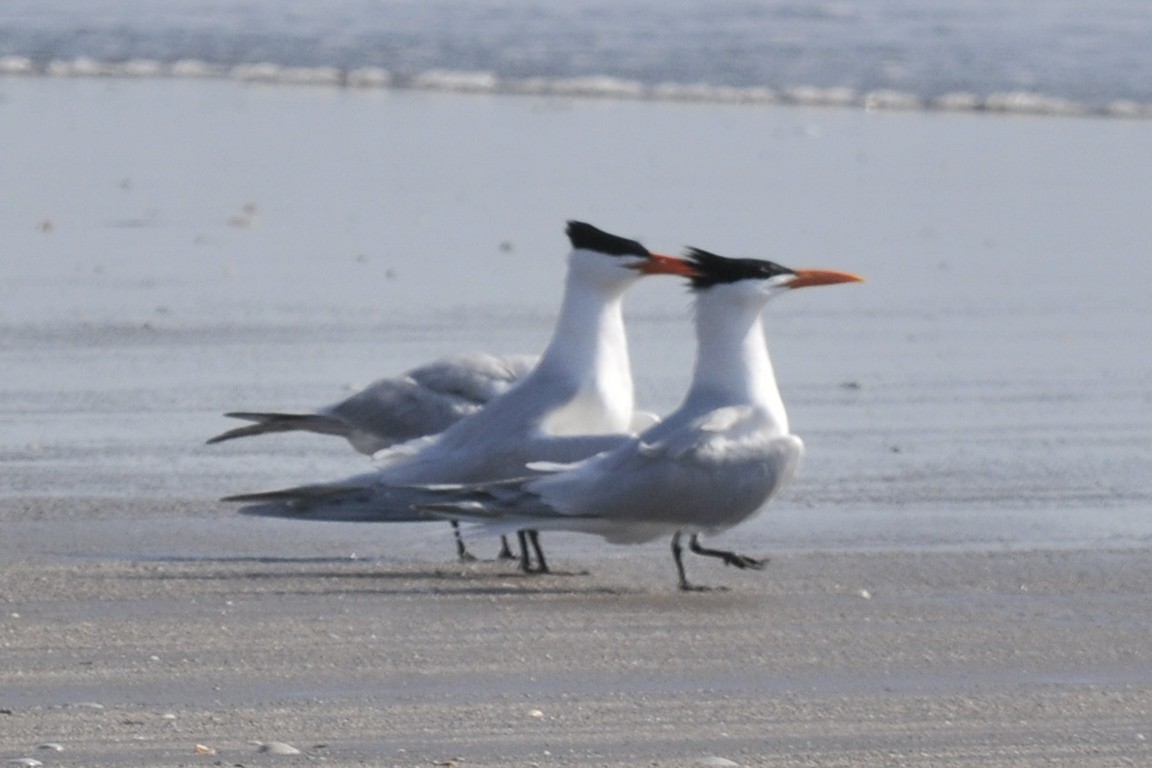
x: 587, y: 237
x: 712, y: 269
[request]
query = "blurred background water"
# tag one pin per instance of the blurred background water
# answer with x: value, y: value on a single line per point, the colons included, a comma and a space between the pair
x: 1030, y: 55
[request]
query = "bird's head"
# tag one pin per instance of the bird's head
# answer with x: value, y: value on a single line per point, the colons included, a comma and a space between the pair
x: 757, y: 278
x: 615, y: 259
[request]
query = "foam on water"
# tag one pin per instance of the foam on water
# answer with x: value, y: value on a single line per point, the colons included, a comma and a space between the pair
x: 1059, y: 57
x: 603, y: 86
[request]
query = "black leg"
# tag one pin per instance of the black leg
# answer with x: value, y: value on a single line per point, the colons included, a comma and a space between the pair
x: 678, y: 556
x: 505, y: 552
x: 525, y: 555
x: 729, y: 558
x: 462, y: 552
x: 529, y: 542
x: 541, y: 563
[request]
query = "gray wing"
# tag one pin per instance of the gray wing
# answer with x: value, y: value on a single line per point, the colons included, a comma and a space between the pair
x: 476, y: 377
x: 708, y: 475
x: 423, y: 401
x: 489, y: 455
x: 426, y: 400
x: 391, y: 411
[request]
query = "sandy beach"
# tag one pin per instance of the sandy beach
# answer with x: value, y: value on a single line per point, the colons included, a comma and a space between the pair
x: 959, y: 576
x: 845, y: 660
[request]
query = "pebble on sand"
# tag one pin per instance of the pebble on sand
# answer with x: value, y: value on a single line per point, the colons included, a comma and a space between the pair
x: 28, y: 762
x: 717, y: 762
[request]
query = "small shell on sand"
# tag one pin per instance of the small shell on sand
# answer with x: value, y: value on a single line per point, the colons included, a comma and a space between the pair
x: 717, y: 762
x: 278, y: 748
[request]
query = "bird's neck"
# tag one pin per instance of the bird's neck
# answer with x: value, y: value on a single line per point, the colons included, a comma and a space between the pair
x: 732, y: 363
x: 589, y: 352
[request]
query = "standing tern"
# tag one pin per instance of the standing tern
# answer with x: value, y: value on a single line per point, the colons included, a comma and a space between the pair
x: 422, y: 401
x: 576, y: 402
x: 708, y: 466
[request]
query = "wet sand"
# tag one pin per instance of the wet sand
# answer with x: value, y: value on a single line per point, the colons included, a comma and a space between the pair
x: 960, y: 573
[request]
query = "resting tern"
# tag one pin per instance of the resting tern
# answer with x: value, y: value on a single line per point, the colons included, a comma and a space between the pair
x: 576, y: 402
x: 708, y: 466
x: 422, y: 401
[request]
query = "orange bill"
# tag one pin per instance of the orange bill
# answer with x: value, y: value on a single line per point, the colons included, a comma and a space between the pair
x: 809, y: 277
x: 659, y: 264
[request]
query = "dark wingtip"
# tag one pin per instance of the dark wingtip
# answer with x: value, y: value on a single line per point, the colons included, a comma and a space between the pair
x: 245, y: 497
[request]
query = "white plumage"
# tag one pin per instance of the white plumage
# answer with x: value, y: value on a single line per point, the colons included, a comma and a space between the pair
x: 577, y: 401
x: 710, y: 465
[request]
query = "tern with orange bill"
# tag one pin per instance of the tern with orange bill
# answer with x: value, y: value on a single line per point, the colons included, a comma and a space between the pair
x: 577, y: 401
x: 708, y: 466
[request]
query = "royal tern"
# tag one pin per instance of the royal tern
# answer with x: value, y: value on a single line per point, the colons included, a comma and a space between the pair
x: 708, y: 466
x: 428, y: 399
x: 576, y: 402
x: 419, y: 402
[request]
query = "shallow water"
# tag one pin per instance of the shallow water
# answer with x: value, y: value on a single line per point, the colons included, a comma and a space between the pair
x: 1069, y: 53
x: 177, y: 249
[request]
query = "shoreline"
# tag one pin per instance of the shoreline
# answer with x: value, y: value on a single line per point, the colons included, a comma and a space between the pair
x: 1020, y: 103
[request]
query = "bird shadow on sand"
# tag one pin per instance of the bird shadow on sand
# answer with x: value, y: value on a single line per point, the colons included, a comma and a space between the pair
x: 338, y: 575
x: 341, y: 576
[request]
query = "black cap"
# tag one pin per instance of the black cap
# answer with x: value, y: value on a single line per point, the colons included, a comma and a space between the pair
x: 713, y: 269
x: 587, y: 237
